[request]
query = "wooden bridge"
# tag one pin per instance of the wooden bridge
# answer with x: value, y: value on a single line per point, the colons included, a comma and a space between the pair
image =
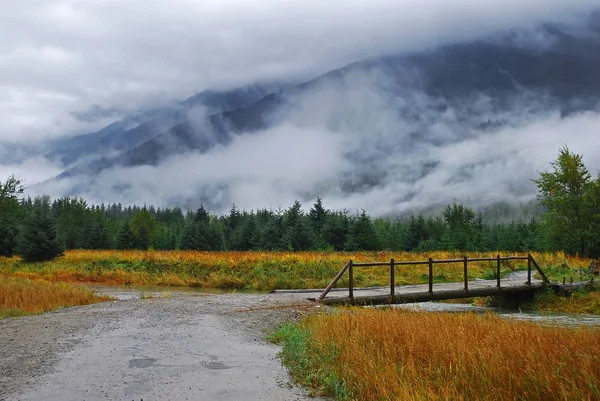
x: 510, y: 287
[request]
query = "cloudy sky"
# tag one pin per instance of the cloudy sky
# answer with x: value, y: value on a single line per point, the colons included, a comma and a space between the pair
x: 70, y: 66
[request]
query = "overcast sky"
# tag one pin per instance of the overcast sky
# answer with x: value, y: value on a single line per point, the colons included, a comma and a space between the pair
x: 72, y: 66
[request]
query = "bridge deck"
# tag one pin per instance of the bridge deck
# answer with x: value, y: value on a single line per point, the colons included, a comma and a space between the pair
x: 420, y: 292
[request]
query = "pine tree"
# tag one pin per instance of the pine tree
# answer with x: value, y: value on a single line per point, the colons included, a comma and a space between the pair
x: 143, y: 227
x: 202, y: 215
x: 335, y: 230
x: 301, y: 237
x: 125, y: 239
x: 9, y: 215
x: 39, y: 241
x: 318, y: 216
x: 362, y: 235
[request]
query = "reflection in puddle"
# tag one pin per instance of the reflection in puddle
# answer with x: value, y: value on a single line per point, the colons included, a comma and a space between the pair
x: 122, y: 292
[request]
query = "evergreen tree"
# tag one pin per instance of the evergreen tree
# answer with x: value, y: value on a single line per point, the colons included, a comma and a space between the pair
x: 9, y: 215
x: 460, y: 221
x: 318, y: 216
x: 125, y: 239
x: 202, y: 216
x: 301, y: 237
x: 143, y: 227
x: 565, y: 192
x: 417, y: 232
x: 335, y: 230
x: 362, y: 235
x: 39, y: 241
x: 270, y: 235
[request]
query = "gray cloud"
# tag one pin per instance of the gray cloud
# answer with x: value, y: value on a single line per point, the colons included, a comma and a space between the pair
x: 348, y: 143
x: 59, y: 60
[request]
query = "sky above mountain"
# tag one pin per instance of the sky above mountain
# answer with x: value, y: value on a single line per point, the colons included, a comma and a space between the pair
x: 71, y: 66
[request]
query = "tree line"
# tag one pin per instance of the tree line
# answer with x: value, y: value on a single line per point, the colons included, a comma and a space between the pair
x: 41, y: 228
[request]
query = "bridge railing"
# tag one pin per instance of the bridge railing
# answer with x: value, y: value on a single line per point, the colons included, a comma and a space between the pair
x: 349, y: 267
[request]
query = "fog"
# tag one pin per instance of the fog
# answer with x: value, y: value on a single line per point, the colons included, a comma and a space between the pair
x: 367, y: 141
x: 357, y: 146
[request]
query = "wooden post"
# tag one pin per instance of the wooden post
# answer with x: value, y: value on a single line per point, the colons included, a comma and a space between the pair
x: 334, y: 281
x: 498, y: 271
x: 528, y: 269
x: 540, y: 271
x: 466, y: 274
x: 392, y: 279
x: 430, y: 275
x: 351, y: 281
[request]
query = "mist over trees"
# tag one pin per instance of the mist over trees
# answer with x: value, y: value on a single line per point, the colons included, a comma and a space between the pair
x: 40, y: 229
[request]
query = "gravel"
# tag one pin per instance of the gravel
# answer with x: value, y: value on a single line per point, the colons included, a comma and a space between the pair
x: 196, y: 347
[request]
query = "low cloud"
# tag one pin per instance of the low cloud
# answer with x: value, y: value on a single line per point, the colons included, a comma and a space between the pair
x: 69, y: 67
x: 356, y: 146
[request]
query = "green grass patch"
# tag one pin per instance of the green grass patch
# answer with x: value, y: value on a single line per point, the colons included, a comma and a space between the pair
x: 309, y: 368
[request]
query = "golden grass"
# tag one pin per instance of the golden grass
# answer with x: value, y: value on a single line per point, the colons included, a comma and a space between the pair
x: 391, y: 354
x: 19, y: 297
x: 250, y: 270
x: 584, y: 301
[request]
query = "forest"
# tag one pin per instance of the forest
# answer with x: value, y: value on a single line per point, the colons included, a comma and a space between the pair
x: 41, y: 228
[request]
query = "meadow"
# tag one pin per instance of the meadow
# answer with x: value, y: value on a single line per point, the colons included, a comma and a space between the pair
x: 260, y: 271
x: 391, y: 354
x: 22, y: 297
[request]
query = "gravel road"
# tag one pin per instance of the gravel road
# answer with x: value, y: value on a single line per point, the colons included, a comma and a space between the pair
x: 203, y: 347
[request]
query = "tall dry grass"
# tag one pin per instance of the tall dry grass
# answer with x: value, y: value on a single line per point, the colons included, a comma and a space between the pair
x: 20, y: 297
x: 405, y: 355
x: 249, y: 270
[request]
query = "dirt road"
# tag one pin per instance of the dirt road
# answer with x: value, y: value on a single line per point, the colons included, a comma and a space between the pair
x: 207, y: 347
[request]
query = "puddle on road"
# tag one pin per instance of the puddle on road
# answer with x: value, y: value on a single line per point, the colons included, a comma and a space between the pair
x: 142, y: 363
x: 122, y: 292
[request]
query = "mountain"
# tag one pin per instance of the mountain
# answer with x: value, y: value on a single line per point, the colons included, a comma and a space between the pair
x: 133, y: 131
x: 564, y: 73
x: 397, y: 113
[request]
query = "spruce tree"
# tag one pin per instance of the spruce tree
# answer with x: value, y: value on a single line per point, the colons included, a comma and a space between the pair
x: 39, y: 241
x: 335, y: 230
x: 362, y: 235
x: 301, y: 237
x: 125, y: 239
x: 9, y: 213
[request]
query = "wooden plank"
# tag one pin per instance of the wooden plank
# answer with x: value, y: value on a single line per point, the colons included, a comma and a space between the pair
x: 431, y: 275
x: 392, y: 277
x: 498, y: 272
x: 466, y: 274
x: 426, y: 296
x: 538, y: 269
x: 529, y: 270
x: 335, y: 280
x: 426, y: 262
x: 371, y: 264
x: 351, y: 282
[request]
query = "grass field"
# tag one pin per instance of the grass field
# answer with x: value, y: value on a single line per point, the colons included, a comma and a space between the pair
x: 21, y: 297
x: 389, y: 354
x: 252, y: 270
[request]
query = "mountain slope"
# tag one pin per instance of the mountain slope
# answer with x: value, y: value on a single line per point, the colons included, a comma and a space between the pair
x: 133, y: 131
x: 564, y: 73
